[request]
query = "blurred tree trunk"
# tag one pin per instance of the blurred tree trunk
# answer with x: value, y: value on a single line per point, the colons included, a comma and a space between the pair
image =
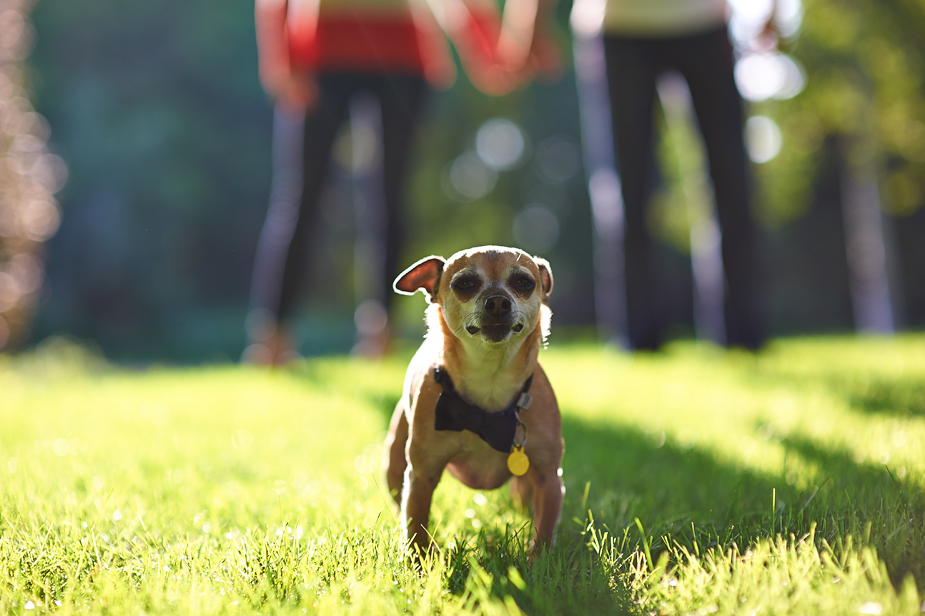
x: 29, y: 177
x: 866, y: 239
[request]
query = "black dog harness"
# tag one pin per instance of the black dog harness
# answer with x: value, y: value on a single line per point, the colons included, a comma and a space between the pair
x: 496, y: 429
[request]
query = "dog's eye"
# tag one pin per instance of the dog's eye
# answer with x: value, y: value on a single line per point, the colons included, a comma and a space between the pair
x: 524, y: 283
x: 465, y: 283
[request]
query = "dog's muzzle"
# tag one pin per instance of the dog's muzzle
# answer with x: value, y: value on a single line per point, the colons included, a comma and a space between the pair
x: 496, y: 319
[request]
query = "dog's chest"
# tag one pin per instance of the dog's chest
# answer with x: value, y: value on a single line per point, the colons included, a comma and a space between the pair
x: 492, y: 398
x: 492, y: 392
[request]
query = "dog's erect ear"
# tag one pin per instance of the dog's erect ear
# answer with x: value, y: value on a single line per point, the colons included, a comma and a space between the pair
x: 545, y: 276
x: 425, y: 274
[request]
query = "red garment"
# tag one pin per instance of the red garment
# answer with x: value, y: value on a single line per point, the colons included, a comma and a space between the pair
x: 346, y: 40
x: 342, y: 36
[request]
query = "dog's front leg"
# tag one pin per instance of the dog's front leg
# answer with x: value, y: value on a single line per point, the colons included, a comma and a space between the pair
x: 548, y: 493
x: 394, y: 455
x: 417, y: 495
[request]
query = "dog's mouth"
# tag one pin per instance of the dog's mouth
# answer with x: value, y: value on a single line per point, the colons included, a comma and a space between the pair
x: 495, y: 332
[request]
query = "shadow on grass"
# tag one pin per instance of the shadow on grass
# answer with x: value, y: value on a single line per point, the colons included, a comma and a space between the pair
x: 867, y: 391
x: 899, y: 396
x: 686, y: 496
x: 689, y: 497
x: 621, y: 474
x: 870, y: 501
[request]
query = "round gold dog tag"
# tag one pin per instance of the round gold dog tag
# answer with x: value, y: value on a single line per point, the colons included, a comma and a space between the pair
x: 518, y: 462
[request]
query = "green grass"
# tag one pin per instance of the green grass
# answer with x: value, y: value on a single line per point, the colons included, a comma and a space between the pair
x: 698, y: 482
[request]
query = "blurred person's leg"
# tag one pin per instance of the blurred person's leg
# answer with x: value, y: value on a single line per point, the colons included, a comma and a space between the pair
x: 401, y: 99
x: 707, y: 63
x: 322, y: 124
x: 632, y: 67
x: 275, y: 236
x: 302, y: 153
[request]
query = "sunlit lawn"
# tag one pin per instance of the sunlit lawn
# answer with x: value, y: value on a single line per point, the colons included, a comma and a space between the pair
x: 698, y: 482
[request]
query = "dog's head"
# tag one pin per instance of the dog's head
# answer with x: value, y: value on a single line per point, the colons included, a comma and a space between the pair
x: 490, y: 294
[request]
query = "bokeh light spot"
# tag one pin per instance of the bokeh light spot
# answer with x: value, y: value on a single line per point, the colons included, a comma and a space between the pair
x: 60, y: 447
x: 762, y: 138
x: 762, y: 76
x: 469, y: 178
x: 500, y: 144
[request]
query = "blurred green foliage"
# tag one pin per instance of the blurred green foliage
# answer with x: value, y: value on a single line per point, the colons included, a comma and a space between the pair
x: 158, y: 112
x: 865, y: 64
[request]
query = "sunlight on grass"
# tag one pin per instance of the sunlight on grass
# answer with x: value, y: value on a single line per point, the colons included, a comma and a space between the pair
x: 698, y: 481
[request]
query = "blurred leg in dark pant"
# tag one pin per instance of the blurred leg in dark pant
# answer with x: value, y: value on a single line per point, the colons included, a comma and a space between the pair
x: 706, y: 62
x: 632, y: 68
x: 300, y: 171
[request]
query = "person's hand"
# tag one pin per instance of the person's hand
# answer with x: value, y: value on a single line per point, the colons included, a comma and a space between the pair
x: 767, y: 38
x: 292, y: 90
x: 491, y: 78
x: 527, y: 47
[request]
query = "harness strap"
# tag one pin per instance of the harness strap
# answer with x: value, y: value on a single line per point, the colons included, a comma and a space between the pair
x: 497, y: 429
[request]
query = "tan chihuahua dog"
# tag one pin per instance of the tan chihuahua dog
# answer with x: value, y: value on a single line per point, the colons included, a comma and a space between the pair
x: 476, y: 401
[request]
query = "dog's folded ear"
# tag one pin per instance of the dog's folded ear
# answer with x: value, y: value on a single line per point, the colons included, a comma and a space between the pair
x: 425, y: 274
x: 545, y: 275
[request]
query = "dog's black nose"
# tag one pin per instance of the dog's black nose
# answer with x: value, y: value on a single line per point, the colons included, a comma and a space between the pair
x: 497, y: 305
